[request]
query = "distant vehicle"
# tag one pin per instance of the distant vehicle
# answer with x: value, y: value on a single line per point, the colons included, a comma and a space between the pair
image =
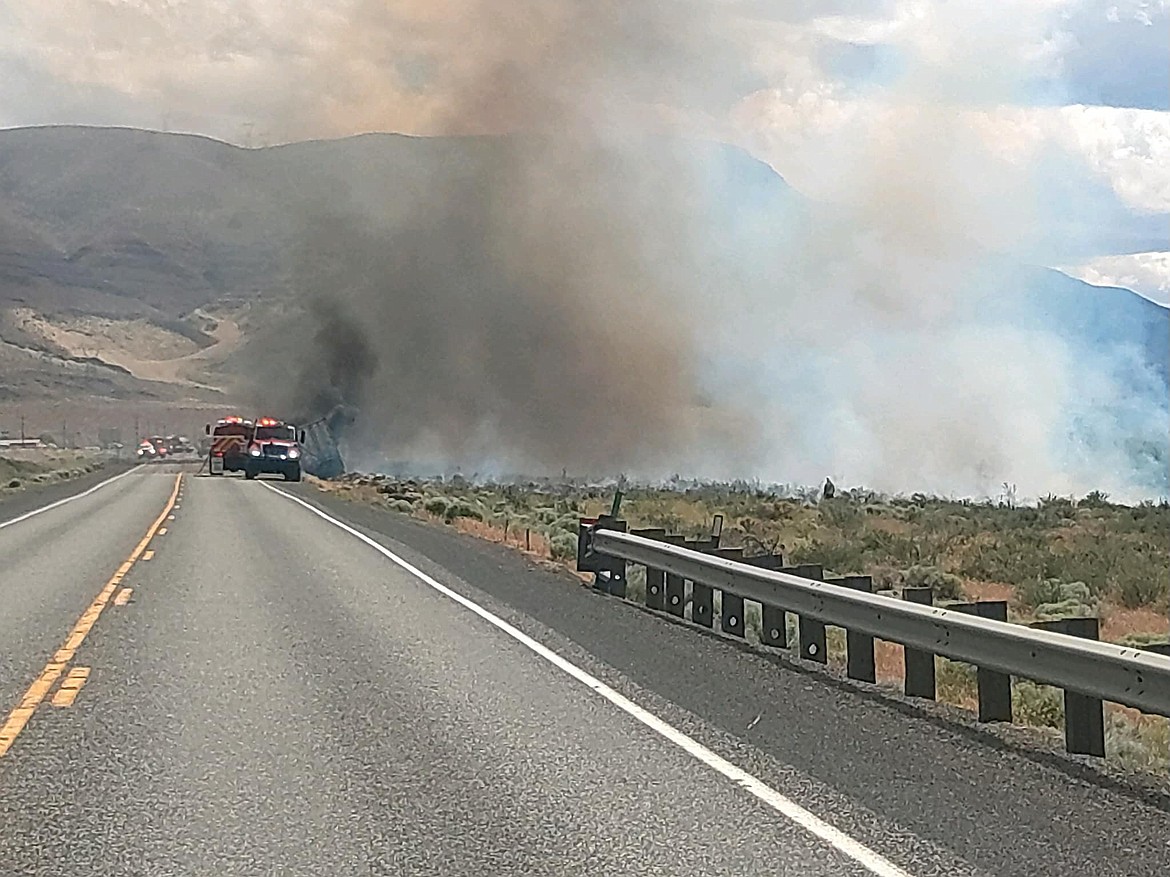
x: 146, y: 451
x: 230, y: 439
x: 275, y: 449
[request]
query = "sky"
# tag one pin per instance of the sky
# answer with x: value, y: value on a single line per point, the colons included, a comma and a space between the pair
x: 1085, y: 84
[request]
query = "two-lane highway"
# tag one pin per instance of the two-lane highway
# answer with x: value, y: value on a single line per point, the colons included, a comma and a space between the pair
x: 263, y: 689
x: 276, y: 697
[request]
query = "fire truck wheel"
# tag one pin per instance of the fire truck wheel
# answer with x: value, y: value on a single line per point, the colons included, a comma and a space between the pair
x: 293, y: 474
x: 249, y: 474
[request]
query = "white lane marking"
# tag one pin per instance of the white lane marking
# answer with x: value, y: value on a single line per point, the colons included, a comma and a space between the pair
x: 62, y: 502
x: 873, y: 862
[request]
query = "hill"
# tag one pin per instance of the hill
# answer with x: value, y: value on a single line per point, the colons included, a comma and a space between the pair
x: 134, y: 262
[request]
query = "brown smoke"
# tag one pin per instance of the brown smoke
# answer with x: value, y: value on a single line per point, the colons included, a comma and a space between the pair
x: 541, y: 306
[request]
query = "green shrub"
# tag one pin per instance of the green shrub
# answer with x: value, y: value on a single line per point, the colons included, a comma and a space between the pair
x: 1140, y: 745
x: 1039, y: 705
x: 462, y: 509
x: 563, y: 546
x: 947, y: 586
x: 1064, y: 609
x: 437, y: 505
x: 956, y: 681
x: 400, y: 505
x: 1040, y: 592
x: 1137, y: 592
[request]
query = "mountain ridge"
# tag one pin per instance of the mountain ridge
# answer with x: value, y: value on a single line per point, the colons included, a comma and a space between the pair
x: 127, y: 223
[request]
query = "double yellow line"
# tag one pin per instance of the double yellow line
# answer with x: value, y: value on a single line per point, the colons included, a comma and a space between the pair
x: 43, y: 684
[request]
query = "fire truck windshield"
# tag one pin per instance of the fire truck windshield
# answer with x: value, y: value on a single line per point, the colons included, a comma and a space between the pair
x: 232, y: 429
x: 283, y: 432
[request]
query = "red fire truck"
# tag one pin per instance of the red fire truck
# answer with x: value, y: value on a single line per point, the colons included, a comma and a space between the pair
x: 274, y: 449
x: 230, y: 439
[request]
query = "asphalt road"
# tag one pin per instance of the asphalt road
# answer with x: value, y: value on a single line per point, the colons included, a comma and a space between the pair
x: 277, y: 696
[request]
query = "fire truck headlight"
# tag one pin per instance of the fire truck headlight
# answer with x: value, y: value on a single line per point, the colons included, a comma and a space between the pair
x: 293, y: 453
x: 254, y: 451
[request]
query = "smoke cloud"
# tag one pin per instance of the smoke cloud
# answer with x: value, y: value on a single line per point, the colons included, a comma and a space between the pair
x: 578, y: 286
x: 565, y: 302
x: 541, y: 308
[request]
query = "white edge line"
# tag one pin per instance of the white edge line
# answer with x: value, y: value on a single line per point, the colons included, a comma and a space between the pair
x: 843, y: 843
x: 62, y: 502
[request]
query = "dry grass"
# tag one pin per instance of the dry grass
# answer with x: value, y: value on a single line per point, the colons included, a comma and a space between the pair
x: 1083, y: 558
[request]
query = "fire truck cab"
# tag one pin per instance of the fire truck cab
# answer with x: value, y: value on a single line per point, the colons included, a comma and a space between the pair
x: 275, y: 449
x: 230, y: 439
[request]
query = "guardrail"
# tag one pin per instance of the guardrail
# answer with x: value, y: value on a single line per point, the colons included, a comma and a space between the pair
x: 1062, y: 653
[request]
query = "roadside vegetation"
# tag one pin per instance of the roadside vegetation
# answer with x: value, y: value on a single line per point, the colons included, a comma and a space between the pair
x: 20, y: 469
x: 1062, y: 557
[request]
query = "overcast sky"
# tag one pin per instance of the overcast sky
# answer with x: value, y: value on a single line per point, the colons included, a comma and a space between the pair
x: 796, y: 81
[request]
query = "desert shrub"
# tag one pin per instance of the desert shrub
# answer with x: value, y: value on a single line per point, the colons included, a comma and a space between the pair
x: 1051, y: 599
x: 1041, y: 591
x: 563, y: 546
x: 956, y: 681
x: 1143, y: 744
x: 462, y: 509
x: 635, y: 581
x: 546, y: 515
x: 842, y: 514
x: 400, y: 505
x: 1064, y: 609
x: 839, y: 556
x: 1133, y: 593
x: 437, y: 505
x: 1039, y: 705
x: 947, y: 586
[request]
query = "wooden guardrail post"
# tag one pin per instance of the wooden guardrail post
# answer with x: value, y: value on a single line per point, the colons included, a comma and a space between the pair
x: 995, y: 688
x: 1084, y: 716
x: 920, y: 680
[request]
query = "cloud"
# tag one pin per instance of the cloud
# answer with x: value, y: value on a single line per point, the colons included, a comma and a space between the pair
x: 1145, y: 273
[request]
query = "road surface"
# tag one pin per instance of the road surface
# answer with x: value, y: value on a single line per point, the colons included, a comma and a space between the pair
x: 207, y: 676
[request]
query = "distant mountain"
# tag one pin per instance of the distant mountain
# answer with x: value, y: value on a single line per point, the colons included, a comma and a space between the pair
x: 124, y: 223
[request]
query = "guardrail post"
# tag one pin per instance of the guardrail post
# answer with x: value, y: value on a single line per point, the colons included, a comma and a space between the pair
x: 919, y: 665
x: 773, y: 619
x: 859, y: 652
x: 995, y: 688
x: 1084, y: 716
x: 702, y: 596
x: 675, y: 589
x: 811, y: 631
x: 731, y: 606
x: 655, y: 578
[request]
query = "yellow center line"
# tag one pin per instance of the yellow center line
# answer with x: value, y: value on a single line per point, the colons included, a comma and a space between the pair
x: 39, y: 690
x: 70, y: 686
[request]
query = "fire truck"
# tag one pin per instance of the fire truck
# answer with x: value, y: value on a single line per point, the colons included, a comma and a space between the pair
x: 275, y: 449
x: 230, y: 439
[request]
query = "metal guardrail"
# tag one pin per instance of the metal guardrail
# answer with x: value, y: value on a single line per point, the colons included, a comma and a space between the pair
x: 1133, y: 677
